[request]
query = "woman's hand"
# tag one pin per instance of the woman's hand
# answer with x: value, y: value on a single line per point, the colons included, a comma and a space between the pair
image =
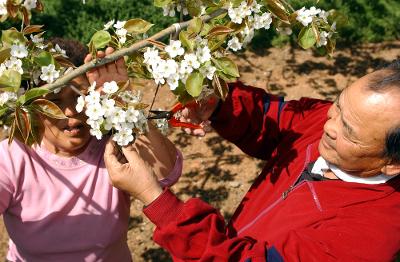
x: 130, y: 173
x: 114, y: 71
x: 157, y: 151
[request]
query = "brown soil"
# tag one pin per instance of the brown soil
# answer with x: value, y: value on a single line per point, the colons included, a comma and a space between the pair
x: 217, y: 171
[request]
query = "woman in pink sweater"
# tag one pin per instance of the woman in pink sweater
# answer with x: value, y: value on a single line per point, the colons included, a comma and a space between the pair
x: 56, y: 198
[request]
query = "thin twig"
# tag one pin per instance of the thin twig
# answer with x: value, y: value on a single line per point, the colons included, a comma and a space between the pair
x: 62, y: 81
x: 154, y: 97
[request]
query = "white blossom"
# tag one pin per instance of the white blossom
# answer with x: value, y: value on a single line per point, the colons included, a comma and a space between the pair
x: 123, y: 137
x: 208, y: 71
x: 59, y: 50
x: 30, y: 4
x: 94, y: 111
x: 121, y: 33
x: 174, y: 48
x: 7, y: 97
x: 3, y: 7
x: 80, y: 104
x: 184, y: 10
x: 324, y: 15
x: 118, y: 115
x: 263, y: 21
x: 108, y: 106
x: 109, y: 24
x: 93, y: 98
x: 248, y: 34
x: 95, y: 124
x: 192, y: 61
x: 151, y: 56
x: 234, y: 44
x: 97, y: 133
x: 119, y: 24
x: 323, y: 39
x: 169, y: 10
x: 132, y: 115
x: 173, y: 82
x: 110, y: 87
x: 203, y: 54
x: 14, y: 64
x: 49, y: 73
x: 238, y: 14
x: 19, y: 51
x: 305, y: 16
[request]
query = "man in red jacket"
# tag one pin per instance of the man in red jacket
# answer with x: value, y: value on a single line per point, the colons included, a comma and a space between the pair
x: 329, y: 190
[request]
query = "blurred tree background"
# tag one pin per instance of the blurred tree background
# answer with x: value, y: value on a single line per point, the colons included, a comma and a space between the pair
x: 368, y: 21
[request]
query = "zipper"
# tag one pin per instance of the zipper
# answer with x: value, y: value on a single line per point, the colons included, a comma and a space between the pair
x: 284, y: 195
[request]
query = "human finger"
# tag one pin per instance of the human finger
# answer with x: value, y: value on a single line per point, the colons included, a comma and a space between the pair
x: 110, y: 158
x: 131, y: 154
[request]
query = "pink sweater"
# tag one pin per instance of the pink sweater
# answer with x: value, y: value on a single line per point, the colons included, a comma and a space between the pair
x: 64, y: 209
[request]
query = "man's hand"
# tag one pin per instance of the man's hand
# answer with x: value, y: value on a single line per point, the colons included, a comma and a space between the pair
x: 114, y: 71
x: 199, y: 113
x: 130, y: 173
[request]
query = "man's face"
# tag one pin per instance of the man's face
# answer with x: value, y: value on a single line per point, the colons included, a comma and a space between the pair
x: 358, y: 121
x: 70, y: 136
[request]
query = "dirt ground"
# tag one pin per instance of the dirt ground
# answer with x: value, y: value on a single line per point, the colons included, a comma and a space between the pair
x: 217, y: 171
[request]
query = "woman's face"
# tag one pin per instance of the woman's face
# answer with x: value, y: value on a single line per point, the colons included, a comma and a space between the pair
x: 67, y: 137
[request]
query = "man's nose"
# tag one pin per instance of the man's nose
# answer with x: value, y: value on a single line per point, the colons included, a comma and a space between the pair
x: 330, y: 127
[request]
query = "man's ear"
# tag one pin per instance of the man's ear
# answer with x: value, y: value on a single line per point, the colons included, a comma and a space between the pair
x: 391, y: 169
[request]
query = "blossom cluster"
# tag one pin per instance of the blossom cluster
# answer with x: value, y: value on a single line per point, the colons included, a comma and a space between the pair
x: 113, y: 110
x: 28, y: 4
x: 179, y: 64
x: 307, y: 16
x: 172, y: 8
x: 255, y: 19
x: 20, y: 61
x: 119, y: 29
x: 7, y: 97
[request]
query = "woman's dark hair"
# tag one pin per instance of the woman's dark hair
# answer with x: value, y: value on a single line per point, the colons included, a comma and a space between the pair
x: 75, y: 50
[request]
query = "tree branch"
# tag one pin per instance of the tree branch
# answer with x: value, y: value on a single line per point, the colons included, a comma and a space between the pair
x: 62, y: 81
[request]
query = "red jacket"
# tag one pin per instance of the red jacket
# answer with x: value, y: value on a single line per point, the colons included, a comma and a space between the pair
x: 313, y: 221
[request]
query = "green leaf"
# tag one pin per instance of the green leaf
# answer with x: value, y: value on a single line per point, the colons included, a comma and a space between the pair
x: 162, y: 3
x: 221, y: 88
x: 186, y: 41
x: 3, y: 111
x: 278, y: 9
x: 4, y: 54
x: 10, y: 80
x: 48, y: 108
x: 32, y: 94
x: 194, y: 84
x: 195, y: 26
x: 44, y: 58
x: 23, y: 123
x: 137, y: 26
x: 227, y: 66
x: 11, y: 36
x: 219, y: 30
x: 101, y: 39
x: 307, y: 37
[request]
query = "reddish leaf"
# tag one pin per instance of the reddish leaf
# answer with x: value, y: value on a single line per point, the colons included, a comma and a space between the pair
x: 47, y: 108
x: 30, y: 29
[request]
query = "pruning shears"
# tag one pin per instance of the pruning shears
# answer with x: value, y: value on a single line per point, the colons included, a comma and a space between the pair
x: 173, y: 116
